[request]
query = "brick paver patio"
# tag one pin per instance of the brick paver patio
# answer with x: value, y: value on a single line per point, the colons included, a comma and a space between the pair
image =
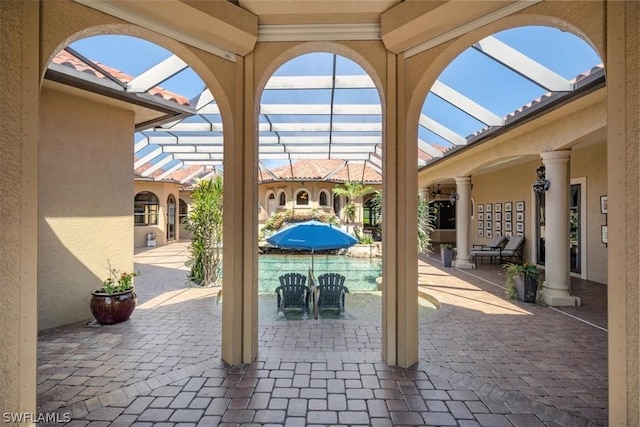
x: 484, y: 361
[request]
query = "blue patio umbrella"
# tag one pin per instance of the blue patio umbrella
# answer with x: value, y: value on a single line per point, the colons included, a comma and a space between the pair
x: 312, y: 236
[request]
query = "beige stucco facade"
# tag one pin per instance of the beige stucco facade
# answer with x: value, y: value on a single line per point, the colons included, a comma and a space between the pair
x: 33, y: 31
x: 269, y: 195
x: 85, y: 221
x: 162, y: 190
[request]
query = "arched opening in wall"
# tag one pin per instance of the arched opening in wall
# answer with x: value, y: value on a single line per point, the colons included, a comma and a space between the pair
x: 510, y: 134
x: 126, y: 128
x: 320, y: 141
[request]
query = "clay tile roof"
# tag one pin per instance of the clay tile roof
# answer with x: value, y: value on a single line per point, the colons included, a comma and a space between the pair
x: 184, y: 172
x: 306, y: 169
x: 357, y: 172
x: 542, y: 98
x: 65, y: 58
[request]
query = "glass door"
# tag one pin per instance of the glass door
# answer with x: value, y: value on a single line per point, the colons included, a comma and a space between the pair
x: 575, y: 227
x: 171, y: 217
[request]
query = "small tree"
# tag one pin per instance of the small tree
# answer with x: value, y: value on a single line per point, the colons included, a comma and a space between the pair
x: 425, y: 225
x: 205, y: 222
x: 425, y: 220
x: 352, y: 190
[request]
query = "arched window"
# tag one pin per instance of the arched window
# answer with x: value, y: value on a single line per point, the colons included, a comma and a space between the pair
x: 271, y: 203
x: 302, y: 198
x: 282, y: 199
x: 183, y: 211
x: 323, y: 198
x: 145, y: 208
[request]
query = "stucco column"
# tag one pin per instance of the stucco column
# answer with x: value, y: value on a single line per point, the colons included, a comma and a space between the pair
x: 463, y: 219
x: 556, y: 284
x: 623, y: 220
x: 240, y: 259
x: 21, y: 30
x: 400, y: 229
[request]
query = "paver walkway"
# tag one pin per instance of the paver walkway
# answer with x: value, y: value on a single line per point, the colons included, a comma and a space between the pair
x: 484, y: 361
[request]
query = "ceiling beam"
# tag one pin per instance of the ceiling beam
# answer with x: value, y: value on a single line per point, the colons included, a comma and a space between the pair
x: 157, y: 74
x: 465, y: 104
x: 441, y: 130
x: 523, y: 65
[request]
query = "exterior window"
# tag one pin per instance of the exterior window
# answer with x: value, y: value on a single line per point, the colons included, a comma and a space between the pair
x: 302, y: 198
x: 282, y: 199
x: 145, y: 208
x: 444, y: 214
x: 183, y: 211
x: 171, y: 217
x: 323, y: 198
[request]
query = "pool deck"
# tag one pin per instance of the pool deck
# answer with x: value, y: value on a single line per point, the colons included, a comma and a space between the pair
x: 484, y: 360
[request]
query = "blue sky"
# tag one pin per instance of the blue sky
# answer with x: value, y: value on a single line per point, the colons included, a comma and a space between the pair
x: 473, y: 74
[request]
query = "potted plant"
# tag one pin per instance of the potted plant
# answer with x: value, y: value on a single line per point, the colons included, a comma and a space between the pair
x: 446, y: 254
x: 522, y: 281
x: 116, y: 299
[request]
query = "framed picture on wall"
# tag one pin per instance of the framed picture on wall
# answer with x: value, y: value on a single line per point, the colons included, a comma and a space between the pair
x: 507, y: 226
x: 520, y: 216
x: 480, y: 224
x: 507, y: 216
x: 508, y: 234
x: 498, y: 216
x: 498, y: 226
x: 520, y: 226
x: 480, y: 208
x: 603, y: 234
x: 498, y: 207
x: 480, y: 216
x: 480, y: 232
x: 488, y: 207
x: 488, y: 225
x: 488, y: 216
x: 520, y: 234
x: 603, y: 206
x: 489, y: 235
x: 507, y: 207
x: 519, y: 206
x: 498, y: 233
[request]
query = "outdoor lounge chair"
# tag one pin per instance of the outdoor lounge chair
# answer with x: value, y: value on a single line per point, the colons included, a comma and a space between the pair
x: 331, y: 291
x: 489, y: 250
x: 293, y: 292
x: 511, y: 251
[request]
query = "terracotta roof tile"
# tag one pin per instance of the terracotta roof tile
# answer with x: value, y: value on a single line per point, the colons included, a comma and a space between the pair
x: 67, y: 59
x: 332, y: 170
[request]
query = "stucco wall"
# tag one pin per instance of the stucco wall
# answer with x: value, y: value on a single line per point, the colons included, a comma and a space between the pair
x: 162, y: 191
x: 591, y: 162
x: 511, y: 184
x: 85, y: 215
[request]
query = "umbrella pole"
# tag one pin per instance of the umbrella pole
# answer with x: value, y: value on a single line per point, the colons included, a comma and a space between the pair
x: 312, y: 256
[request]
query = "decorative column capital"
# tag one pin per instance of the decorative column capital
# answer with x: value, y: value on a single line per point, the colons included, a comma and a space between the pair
x: 463, y: 179
x: 551, y: 157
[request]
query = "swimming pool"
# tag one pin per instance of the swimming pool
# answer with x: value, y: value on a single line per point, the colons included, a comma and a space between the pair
x: 360, y: 273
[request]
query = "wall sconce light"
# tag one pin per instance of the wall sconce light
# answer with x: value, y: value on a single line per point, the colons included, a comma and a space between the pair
x: 542, y: 184
x: 453, y: 197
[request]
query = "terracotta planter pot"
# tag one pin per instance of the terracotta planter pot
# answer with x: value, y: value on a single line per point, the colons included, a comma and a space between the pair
x: 112, y: 308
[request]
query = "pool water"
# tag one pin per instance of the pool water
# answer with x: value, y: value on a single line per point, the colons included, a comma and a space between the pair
x: 360, y: 273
